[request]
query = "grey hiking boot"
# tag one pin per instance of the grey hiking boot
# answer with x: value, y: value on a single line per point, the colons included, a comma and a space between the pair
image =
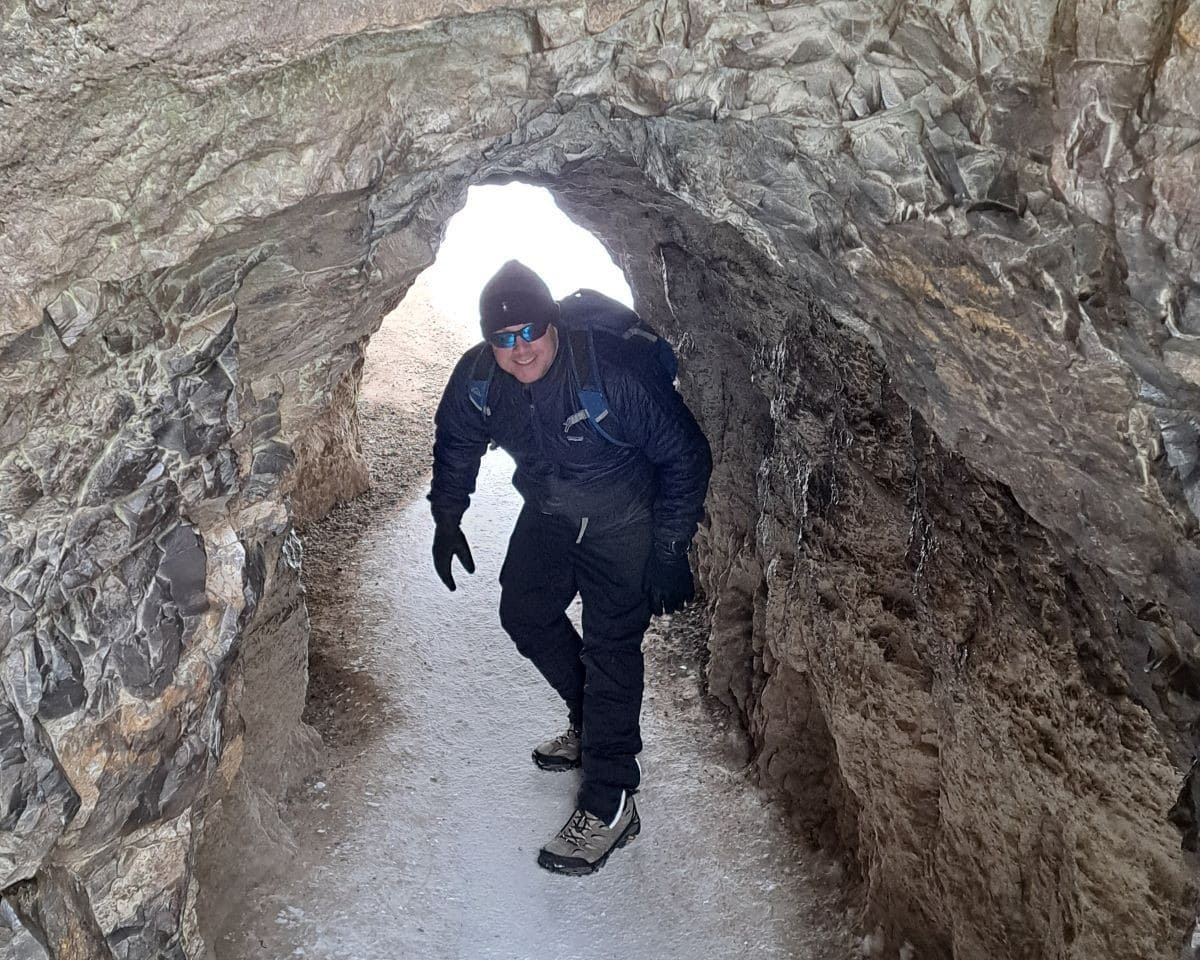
x: 585, y: 841
x: 559, y: 753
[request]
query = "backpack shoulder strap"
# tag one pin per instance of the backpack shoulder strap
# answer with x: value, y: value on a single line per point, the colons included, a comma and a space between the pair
x: 483, y: 369
x: 589, y: 388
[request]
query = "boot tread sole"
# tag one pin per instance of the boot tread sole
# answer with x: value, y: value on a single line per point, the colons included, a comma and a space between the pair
x: 579, y: 869
x: 544, y: 762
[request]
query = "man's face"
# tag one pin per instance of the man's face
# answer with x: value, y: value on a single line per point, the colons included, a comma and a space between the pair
x: 528, y: 361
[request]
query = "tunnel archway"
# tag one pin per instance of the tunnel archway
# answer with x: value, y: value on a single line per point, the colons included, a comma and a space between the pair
x: 950, y: 460
x: 846, y: 525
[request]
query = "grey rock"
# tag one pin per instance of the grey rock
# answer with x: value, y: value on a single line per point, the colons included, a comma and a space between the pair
x: 16, y: 939
x: 124, y: 466
x: 75, y: 308
x: 60, y: 670
x: 182, y: 569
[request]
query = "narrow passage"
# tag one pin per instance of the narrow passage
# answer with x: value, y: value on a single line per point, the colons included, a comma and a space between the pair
x: 420, y: 836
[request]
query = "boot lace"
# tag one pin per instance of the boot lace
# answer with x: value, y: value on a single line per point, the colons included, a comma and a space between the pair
x: 567, y: 739
x: 582, y: 830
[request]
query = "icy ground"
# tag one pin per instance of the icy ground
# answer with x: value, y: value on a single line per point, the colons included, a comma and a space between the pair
x: 419, y: 840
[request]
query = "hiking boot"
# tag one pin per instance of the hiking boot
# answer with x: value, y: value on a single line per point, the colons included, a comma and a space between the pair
x: 585, y: 841
x: 559, y: 753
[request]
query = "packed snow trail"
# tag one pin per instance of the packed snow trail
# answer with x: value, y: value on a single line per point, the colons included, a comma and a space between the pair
x: 424, y: 844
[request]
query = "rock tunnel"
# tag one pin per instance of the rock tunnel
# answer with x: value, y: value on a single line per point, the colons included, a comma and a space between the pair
x: 931, y: 271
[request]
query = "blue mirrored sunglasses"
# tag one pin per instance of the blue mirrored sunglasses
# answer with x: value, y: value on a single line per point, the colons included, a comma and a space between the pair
x: 507, y: 339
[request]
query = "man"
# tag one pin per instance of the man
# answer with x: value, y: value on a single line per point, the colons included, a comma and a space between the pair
x: 608, y: 514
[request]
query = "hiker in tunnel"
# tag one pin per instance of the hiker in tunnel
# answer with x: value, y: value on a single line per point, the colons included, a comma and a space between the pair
x: 613, y: 470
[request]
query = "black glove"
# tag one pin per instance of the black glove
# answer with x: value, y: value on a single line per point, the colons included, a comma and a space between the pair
x: 670, y: 575
x: 448, y: 543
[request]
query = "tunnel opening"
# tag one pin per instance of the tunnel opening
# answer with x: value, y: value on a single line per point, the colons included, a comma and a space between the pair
x: 881, y: 614
x: 405, y: 367
x: 856, y: 568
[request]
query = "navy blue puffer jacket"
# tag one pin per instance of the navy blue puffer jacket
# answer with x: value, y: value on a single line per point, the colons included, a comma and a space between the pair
x: 570, y: 470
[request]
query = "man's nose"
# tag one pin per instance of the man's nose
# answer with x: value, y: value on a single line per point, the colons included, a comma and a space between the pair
x: 521, y: 347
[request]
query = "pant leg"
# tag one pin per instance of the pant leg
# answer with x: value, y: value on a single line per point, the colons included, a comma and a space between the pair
x: 537, y: 584
x: 610, y: 568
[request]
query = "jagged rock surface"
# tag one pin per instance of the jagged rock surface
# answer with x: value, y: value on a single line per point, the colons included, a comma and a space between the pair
x: 932, y: 267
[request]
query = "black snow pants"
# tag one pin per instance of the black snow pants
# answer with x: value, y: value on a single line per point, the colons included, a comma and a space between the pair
x: 599, y: 675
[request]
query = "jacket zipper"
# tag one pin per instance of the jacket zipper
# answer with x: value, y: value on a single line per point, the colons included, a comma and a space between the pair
x: 533, y: 422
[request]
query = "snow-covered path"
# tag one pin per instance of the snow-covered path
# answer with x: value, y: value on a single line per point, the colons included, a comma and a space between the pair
x: 423, y: 844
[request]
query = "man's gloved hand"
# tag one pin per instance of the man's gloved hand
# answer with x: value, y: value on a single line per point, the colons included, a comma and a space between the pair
x: 448, y: 543
x: 670, y: 574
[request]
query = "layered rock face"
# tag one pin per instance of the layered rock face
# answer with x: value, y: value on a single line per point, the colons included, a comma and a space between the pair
x: 932, y: 269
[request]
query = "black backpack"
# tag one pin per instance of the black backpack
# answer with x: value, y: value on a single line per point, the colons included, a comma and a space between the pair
x: 581, y: 314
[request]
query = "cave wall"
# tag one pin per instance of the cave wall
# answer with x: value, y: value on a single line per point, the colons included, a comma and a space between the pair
x: 935, y: 686
x: 932, y: 270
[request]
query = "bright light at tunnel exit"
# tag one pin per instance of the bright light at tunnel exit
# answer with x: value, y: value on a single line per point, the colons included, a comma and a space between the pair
x: 516, y: 221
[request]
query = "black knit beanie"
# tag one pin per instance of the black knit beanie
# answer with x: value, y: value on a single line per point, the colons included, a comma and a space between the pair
x: 515, y: 295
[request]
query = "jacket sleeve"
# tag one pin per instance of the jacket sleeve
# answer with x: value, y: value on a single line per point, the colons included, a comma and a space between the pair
x: 652, y: 416
x: 460, y: 441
